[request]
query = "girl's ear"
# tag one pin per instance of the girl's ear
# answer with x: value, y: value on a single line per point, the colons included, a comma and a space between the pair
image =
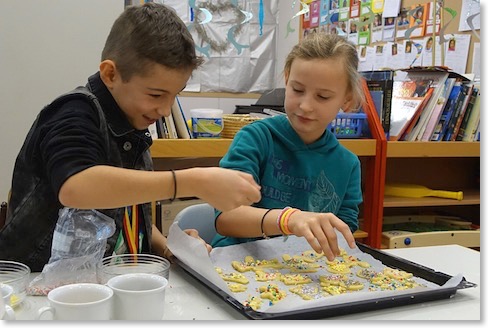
x: 108, y: 72
x: 349, y: 104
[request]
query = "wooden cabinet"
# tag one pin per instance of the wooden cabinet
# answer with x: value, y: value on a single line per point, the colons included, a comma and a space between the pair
x: 178, y: 149
x: 174, y: 148
x: 453, y: 166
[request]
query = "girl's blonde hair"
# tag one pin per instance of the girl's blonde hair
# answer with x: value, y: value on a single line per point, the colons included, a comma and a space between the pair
x: 330, y: 46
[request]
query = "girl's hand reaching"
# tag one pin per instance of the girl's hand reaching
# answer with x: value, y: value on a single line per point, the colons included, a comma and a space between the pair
x: 192, y: 233
x: 319, y: 230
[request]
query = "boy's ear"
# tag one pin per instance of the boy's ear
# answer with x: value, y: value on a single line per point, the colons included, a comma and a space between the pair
x: 108, y: 72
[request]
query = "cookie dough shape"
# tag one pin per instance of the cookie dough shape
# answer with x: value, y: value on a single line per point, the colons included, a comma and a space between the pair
x: 237, y: 288
x: 295, y: 279
x: 334, y: 290
x: 397, y: 274
x: 267, y: 276
x: 306, y: 292
x: 253, y: 302
x: 332, y: 279
x: 272, y: 292
x: 352, y: 260
x: 250, y: 263
x: 235, y: 277
x: 311, y: 256
x: 338, y: 266
x: 352, y: 285
x: 297, y: 265
x: 367, y: 273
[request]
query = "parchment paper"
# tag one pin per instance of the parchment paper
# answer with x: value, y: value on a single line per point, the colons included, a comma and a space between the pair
x: 194, y: 254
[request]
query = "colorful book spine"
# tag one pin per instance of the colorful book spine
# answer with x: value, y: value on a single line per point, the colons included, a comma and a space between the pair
x: 438, y: 109
x: 460, y: 119
x: 182, y: 129
x: 473, y: 120
x: 382, y: 80
x: 443, y: 123
x: 415, y: 119
x: 467, y: 114
x: 456, y: 112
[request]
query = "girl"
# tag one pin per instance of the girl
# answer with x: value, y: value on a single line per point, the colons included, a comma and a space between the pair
x: 296, y: 160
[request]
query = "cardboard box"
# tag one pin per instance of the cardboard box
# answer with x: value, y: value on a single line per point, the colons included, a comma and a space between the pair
x: 170, y: 209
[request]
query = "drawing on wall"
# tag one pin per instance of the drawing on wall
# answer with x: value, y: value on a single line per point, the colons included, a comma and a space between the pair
x: 237, y: 40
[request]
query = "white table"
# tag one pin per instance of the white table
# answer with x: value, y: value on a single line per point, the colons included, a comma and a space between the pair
x: 188, y: 299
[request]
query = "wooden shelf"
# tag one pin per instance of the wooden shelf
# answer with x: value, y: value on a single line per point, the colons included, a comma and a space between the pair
x: 471, y: 197
x: 432, y: 149
x: 172, y: 148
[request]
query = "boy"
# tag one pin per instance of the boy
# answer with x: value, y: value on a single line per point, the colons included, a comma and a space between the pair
x: 90, y: 149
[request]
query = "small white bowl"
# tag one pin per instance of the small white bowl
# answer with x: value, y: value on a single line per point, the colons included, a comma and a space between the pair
x: 17, y: 276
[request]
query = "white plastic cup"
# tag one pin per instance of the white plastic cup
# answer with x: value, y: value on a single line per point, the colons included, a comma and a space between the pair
x: 207, y: 122
x: 138, y: 296
x: 79, y: 301
x: 116, y: 265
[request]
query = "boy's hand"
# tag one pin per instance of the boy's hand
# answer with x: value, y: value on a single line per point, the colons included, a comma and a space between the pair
x: 226, y: 189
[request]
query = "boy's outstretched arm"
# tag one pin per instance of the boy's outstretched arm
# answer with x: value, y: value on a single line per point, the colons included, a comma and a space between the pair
x: 111, y: 187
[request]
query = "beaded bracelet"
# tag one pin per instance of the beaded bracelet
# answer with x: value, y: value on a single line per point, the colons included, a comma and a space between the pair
x: 263, y: 234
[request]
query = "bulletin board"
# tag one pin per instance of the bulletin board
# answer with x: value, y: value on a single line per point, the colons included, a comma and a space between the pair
x: 453, y: 26
x: 409, y: 33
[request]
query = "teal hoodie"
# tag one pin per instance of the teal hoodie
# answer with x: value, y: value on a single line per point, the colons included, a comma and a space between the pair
x: 320, y: 177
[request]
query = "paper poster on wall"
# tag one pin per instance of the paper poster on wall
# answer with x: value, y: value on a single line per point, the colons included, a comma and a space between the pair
x: 389, y: 24
x: 238, y: 41
x: 457, y: 51
x: 470, y: 13
x: 391, y: 8
x: 476, y: 64
x: 428, y: 58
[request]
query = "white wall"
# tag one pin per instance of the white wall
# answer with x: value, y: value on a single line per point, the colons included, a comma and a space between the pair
x: 48, y: 47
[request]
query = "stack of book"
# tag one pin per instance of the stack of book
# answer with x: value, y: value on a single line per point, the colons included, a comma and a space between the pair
x: 427, y: 104
x: 173, y: 126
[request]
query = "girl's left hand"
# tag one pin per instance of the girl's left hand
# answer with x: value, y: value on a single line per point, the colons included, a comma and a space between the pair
x: 194, y: 233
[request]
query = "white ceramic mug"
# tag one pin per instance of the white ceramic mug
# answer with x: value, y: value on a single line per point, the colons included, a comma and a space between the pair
x: 80, y: 301
x: 6, y: 311
x: 138, y: 296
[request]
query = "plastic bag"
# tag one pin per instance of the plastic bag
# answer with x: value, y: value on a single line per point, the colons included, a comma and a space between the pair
x: 79, y: 243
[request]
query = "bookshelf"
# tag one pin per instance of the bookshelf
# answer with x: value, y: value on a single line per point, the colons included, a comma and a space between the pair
x: 438, y: 165
x: 216, y: 148
x: 433, y: 149
x: 449, y: 165
x: 371, y: 153
x: 174, y: 148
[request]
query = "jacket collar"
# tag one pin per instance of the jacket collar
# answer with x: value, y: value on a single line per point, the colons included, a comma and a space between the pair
x: 116, y: 119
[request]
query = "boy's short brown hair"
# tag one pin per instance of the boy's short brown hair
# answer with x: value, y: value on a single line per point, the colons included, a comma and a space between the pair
x: 149, y: 34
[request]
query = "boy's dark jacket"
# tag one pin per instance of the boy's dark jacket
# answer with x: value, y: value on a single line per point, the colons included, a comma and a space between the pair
x: 33, y: 206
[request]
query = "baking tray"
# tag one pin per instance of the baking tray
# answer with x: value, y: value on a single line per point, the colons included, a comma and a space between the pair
x: 350, y: 307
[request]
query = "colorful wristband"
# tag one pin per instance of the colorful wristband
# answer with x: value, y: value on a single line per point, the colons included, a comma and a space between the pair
x: 278, y: 219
